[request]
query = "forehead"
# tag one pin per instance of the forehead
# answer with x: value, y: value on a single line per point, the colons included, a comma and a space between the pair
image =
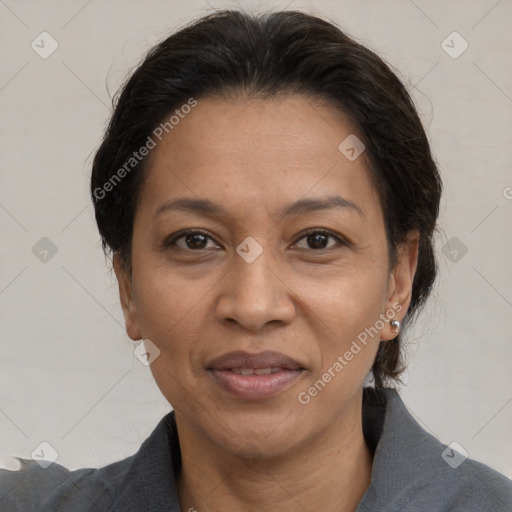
x: 242, y: 152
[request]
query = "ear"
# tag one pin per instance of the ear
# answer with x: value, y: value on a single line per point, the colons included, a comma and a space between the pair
x: 400, y: 282
x: 128, y: 303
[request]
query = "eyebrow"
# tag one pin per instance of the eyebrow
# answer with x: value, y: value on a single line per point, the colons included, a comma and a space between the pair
x: 210, y: 209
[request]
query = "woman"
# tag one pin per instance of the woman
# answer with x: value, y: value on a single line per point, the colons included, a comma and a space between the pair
x: 268, y: 196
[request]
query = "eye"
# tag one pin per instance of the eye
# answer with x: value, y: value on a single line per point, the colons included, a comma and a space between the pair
x: 318, y: 239
x: 194, y: 240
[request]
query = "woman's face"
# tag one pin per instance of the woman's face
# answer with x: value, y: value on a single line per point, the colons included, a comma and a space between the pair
x: 311, y: 307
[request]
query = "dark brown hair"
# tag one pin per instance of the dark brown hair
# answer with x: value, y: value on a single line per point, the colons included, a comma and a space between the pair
x: 233, y: 53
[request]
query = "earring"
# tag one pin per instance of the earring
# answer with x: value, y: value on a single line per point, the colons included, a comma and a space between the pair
x: 395, y: 325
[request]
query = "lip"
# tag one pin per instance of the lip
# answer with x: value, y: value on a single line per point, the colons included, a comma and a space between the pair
x: 285, y: 372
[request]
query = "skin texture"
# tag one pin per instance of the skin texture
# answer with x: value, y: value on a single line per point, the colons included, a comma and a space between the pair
x: 254, y: 156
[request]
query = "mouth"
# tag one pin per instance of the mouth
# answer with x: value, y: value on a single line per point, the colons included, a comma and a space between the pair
x: 255, y: 376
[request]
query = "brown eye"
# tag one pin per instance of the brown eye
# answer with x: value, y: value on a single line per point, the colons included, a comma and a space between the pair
x: 319, y: 239
x: 190, y: 240
x: 196, y: 241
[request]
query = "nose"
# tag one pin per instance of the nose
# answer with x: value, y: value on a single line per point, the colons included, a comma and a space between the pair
x: 254, y: 294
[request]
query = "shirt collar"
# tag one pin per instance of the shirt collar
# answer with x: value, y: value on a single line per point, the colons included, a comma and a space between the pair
x: 406, y: 457
x: 149, y: 480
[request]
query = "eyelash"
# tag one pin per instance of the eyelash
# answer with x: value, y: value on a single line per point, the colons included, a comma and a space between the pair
x: 171, y: 241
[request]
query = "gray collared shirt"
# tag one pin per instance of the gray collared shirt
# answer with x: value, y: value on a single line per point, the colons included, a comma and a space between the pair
x: 412, y: 471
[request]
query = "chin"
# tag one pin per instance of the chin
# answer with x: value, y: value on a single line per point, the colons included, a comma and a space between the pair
x: 258, y: 432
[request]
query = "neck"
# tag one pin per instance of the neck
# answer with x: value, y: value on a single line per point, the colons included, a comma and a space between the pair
x: 330, y: 474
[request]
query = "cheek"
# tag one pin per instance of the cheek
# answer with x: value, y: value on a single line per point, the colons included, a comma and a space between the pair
x: 348, y: 318
x: 169, y: 309
x: 352, y: 301
x: 172, y: 317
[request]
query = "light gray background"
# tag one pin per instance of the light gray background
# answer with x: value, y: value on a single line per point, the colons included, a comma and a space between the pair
x: 67, y: 371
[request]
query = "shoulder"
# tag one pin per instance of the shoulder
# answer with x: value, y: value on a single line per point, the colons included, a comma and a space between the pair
x: 475, y: 486
x: 145, y: 480
x: 25, y: 485
x: 413, y: 470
